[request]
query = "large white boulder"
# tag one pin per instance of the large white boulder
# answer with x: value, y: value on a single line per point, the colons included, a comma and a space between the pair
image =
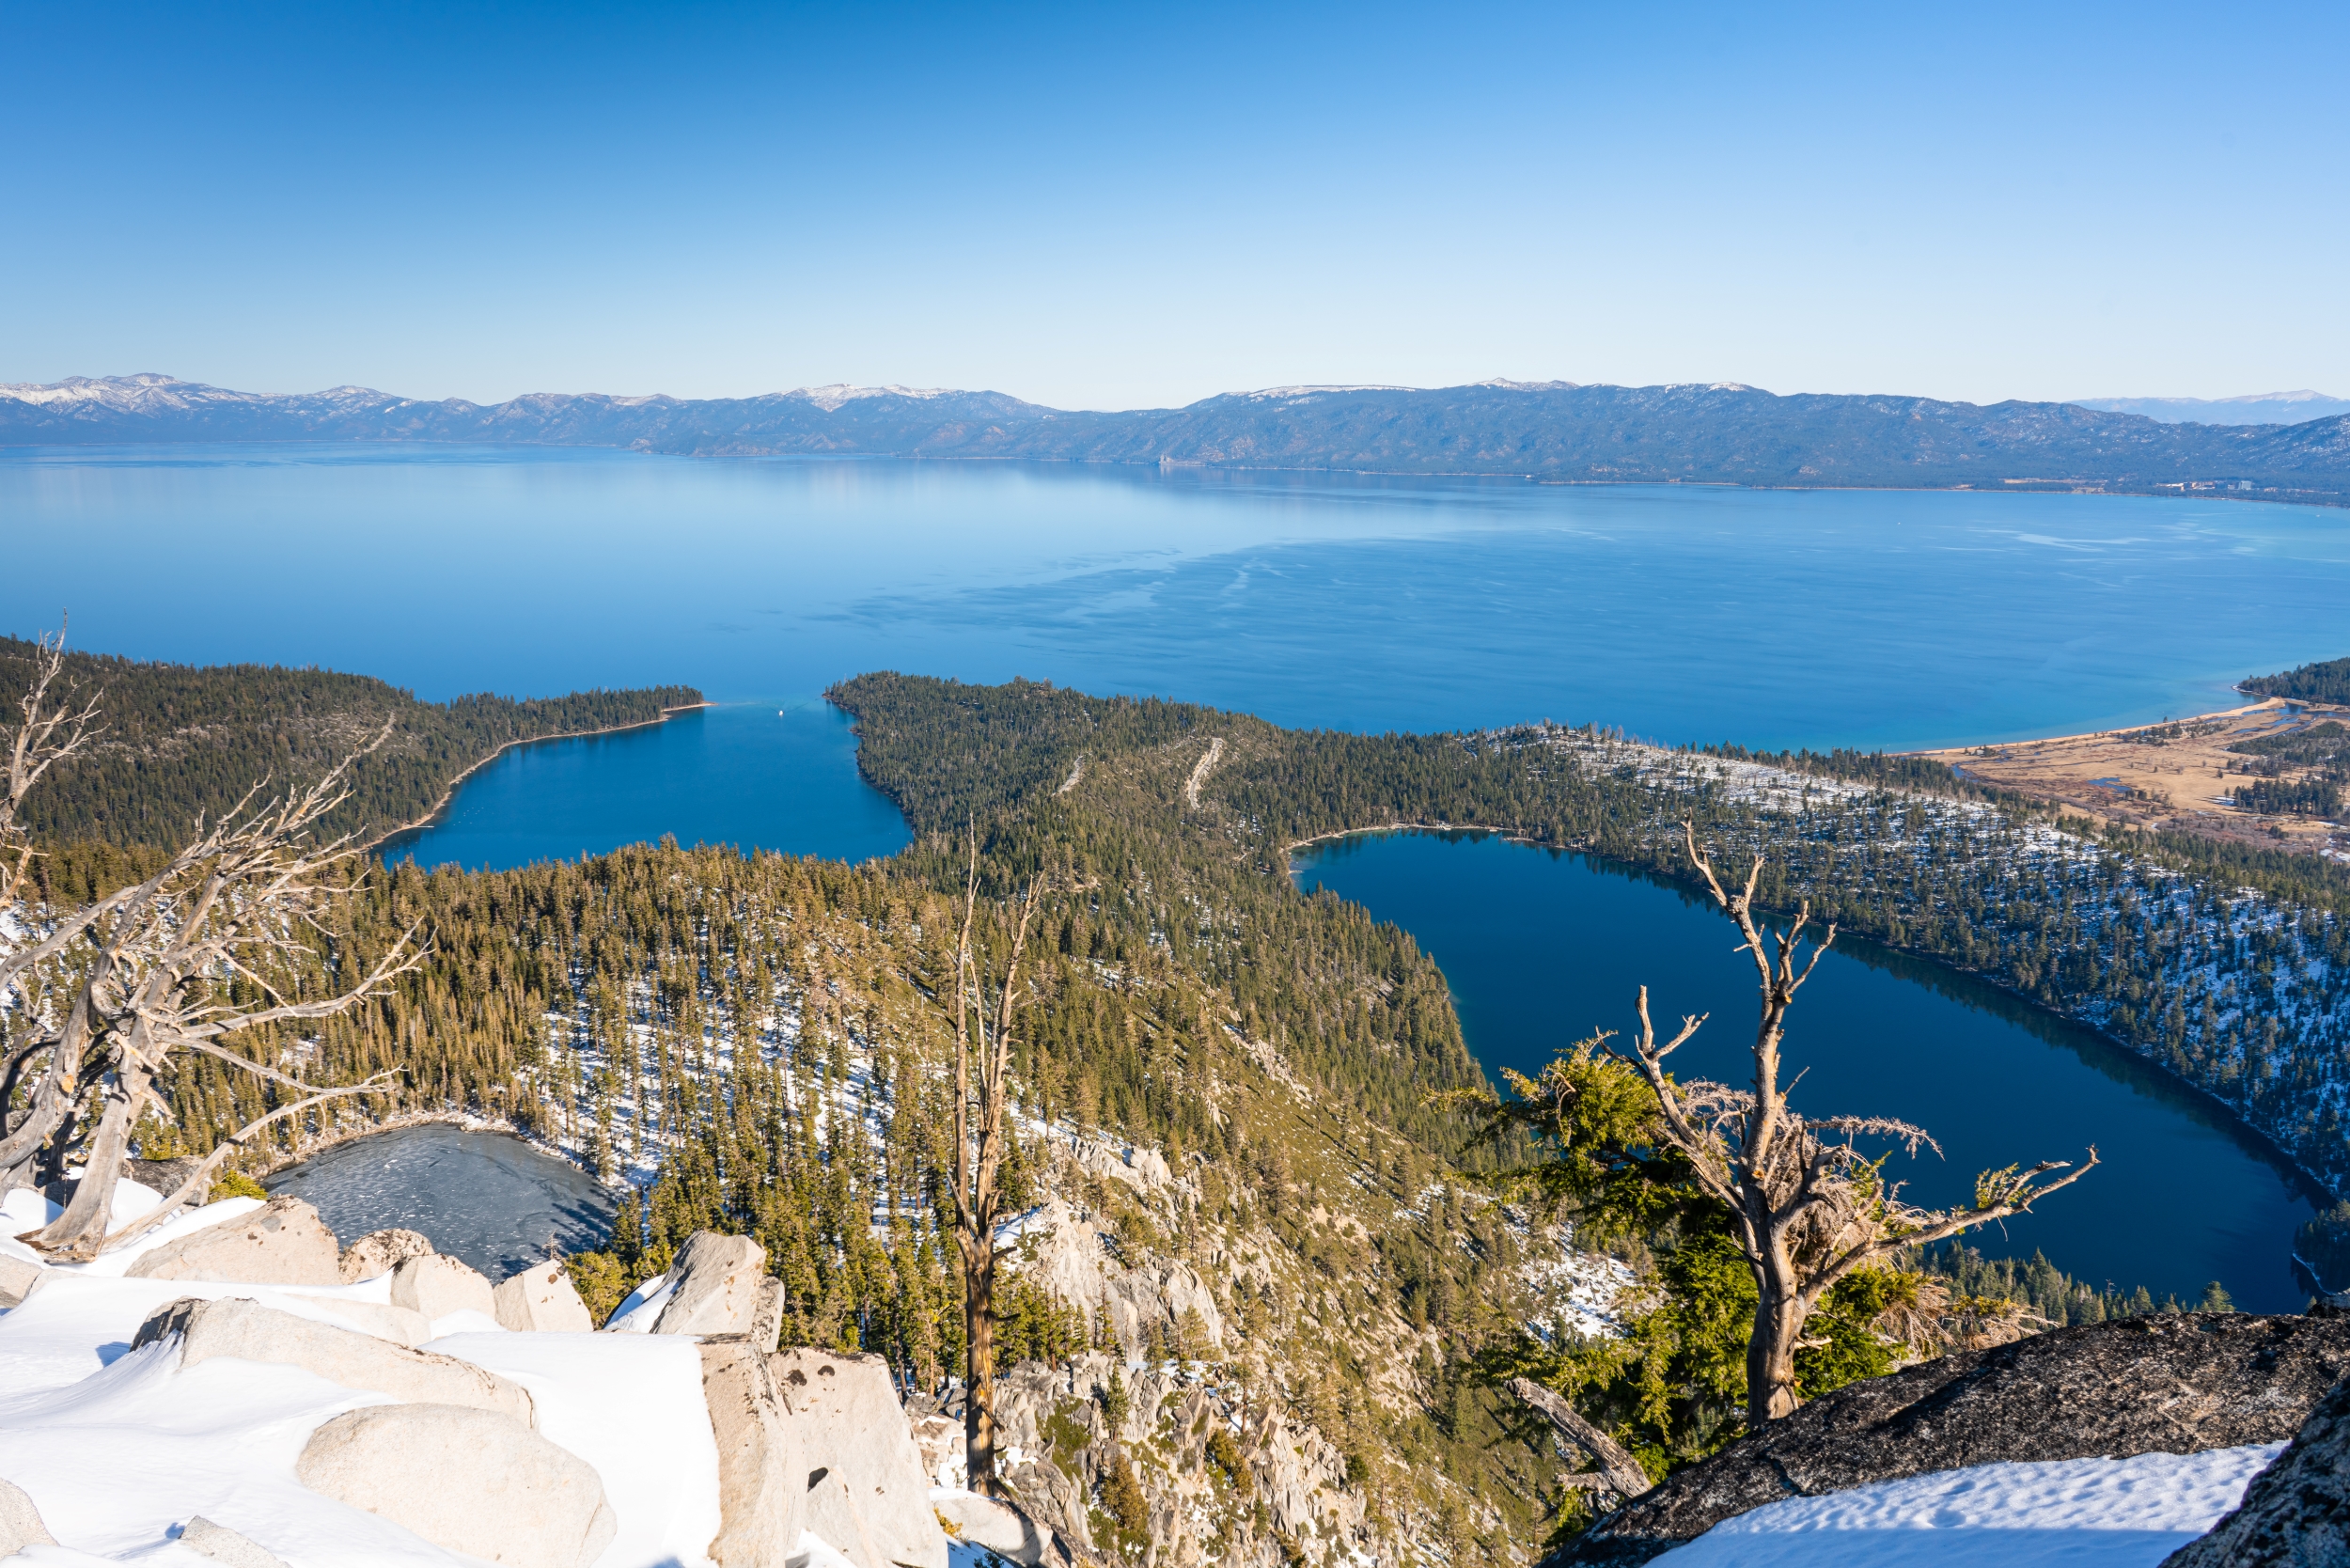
x: 251, y: 1332
x: 872, y: 1501
x: 468, y: 1480
x: 382, y: 1251
x: 716, y: 1286
x: 436, y: 1286
x: 20, y: 1523
x: 281, y: 1243
x: 541, y: 1301
x: 763, y: 1476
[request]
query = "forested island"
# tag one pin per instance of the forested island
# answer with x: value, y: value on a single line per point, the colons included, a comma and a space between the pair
x: 1246, y: 1122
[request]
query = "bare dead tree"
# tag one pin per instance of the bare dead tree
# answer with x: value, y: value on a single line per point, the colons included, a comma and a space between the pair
x: 107, y: 997
x: 982, y: 1038
x: 1619, y: 1475
x: 1810, y: 1206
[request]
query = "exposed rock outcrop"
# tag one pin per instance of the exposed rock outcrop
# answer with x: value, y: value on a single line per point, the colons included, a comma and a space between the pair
x: 20, y: 1522
x: 2297, y: 1513
x: 1055, y: 1422
x: 281, y: 1243
x: 436, y: 1285
x: 762, y: 1473
x: 469, y: 1480
x: 2157, y: 1385
x: 19, y: 1279
x: 382, y: 1251
x: 251, y: 1332
x: 867, y: 1494
x: 224, y: 1545
x: 1003, y: 1530
x: 541, y: 1301
x: 1149, y: 1305
x: 716, y: 1286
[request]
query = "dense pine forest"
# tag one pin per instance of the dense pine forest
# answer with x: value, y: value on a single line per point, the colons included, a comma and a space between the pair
x: 1241, y: 1111
x: 182, y: 741
x: 2325, y: 681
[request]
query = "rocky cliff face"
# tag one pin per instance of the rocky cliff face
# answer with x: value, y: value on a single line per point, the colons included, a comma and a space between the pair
x: 2295, y: 1511
x: 2161, y: 1385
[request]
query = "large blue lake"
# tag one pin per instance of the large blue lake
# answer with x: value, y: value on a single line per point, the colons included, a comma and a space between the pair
x: 1542, y: 949
x: 1821, y: 618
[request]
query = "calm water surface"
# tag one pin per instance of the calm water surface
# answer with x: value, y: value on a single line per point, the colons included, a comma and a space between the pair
x: 1860, y: 618
x: 490, y: 1201
x: 1542, y: 949
x: 762, y: 778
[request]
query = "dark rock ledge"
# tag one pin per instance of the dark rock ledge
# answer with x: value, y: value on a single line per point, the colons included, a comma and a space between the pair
x: 2158, y: 1385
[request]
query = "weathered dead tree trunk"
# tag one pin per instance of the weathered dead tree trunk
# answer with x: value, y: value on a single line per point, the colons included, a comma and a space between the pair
x: 115, y: 993
x: 983, y: 1039
x: 1619, y: 1472
x: 1810, y: 1208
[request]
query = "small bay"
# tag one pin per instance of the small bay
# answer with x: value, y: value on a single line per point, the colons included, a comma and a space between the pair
x: 766, y: 778
x: 1542, y: 949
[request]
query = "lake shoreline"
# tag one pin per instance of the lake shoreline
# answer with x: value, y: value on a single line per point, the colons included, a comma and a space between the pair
x: 2273, y: 1152
x: 2124, y: 774
x: 440, y: 808
x: 312, y: 1148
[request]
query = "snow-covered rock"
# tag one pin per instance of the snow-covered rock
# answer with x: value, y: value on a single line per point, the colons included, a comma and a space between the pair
x: 20, y: 1522
x: 380, y: 1318
x: 2071, y: 1513
x: 282, y: 1242
x: 763, y: 1472
x: 226, y: 1546
x: 196, y: 1331
x: 2297, y: 1511
x: 121, y: 1443
x: 541, y: 1301
x: 437, y: 1286
x: 872, y: 1501
x: 382, y: 1251
x: 716, y: 1285
x: 2171, y: 1384
x: 468, y: 1480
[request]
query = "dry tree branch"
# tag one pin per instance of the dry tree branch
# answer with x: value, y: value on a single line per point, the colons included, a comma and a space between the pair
x: 202, y: 1175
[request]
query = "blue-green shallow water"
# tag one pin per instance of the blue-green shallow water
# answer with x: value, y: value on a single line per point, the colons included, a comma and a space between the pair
x: 761, y: 779
x: 1541, y: 949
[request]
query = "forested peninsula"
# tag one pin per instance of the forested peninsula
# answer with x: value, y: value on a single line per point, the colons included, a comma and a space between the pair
x: 1245, y: 1144
x: 177, y: 742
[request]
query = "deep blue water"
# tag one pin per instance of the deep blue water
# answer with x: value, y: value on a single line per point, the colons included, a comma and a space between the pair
x: 761, y: 779
x: 1542, y: 949
x: 1821, y: 618
x: 1889, y: 618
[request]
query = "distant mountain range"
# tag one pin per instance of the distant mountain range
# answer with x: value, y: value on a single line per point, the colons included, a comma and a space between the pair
x: 1718, y: 433
x: 2261, y: 408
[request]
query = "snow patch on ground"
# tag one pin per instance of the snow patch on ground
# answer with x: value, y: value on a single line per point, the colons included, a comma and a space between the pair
x: 119, y: 1449
x: 2078, y: 1512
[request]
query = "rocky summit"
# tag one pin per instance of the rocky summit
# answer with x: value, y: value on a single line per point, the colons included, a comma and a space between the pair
x: 2178, y: 1384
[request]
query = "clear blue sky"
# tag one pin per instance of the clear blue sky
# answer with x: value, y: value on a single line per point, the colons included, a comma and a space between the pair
x: 1116, y: 206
